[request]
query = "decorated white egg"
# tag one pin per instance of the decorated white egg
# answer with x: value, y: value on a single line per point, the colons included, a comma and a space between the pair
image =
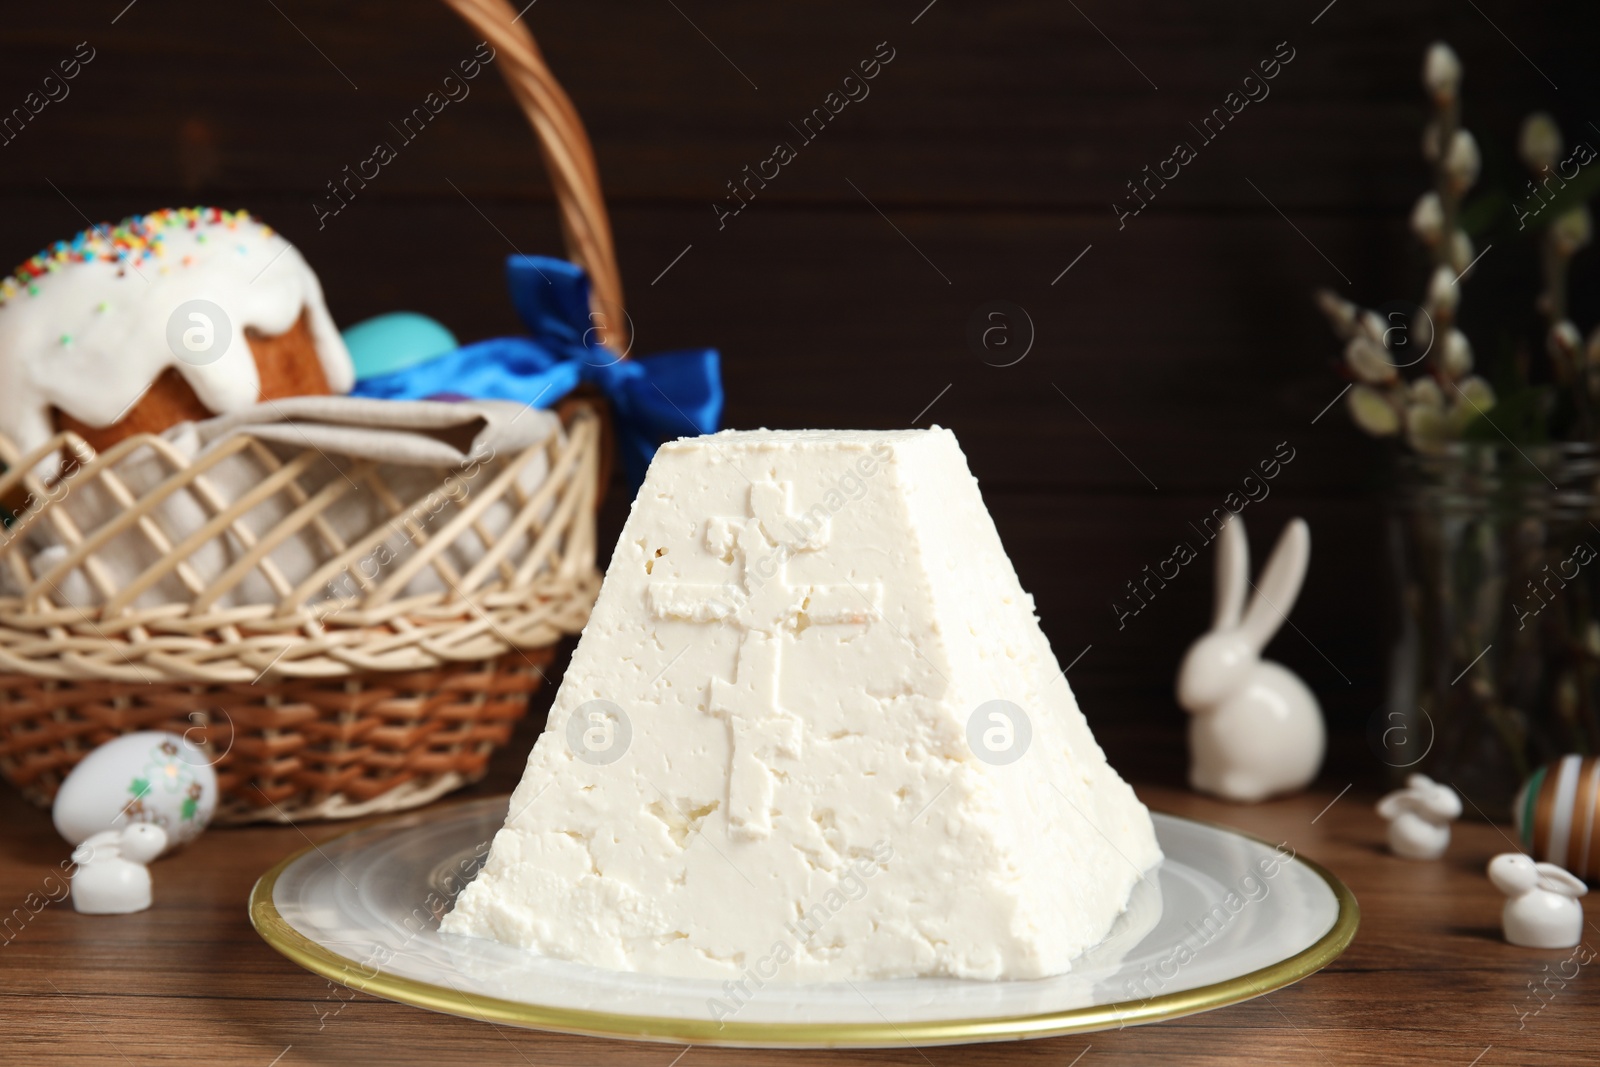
x: 146, y: 777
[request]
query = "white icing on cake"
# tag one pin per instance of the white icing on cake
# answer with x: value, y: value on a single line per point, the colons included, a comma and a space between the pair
x: 802, y: 629
x: 84, y: 324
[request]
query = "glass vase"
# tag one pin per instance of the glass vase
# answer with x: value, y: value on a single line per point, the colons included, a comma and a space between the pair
x: 1496, y: 666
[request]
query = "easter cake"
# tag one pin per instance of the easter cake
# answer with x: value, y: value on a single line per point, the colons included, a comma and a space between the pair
x: 813, y: 732
x: 163, y: 318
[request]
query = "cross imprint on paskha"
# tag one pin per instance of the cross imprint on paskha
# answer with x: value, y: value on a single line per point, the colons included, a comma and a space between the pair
x: 766, y: 608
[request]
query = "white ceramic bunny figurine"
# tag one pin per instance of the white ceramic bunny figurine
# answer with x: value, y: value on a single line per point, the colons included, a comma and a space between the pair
x: 111, y: 878
x: 1543, y: 909
x: 1256, y: 730
x: 1419, y: 818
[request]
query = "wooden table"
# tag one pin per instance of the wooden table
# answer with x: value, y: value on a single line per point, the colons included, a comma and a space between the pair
x: 1427, y: 981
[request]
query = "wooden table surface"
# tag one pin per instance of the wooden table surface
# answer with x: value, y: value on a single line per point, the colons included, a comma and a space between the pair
x: 1427, y: 981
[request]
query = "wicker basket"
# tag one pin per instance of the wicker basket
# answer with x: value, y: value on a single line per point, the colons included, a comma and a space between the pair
x: 384, y: 703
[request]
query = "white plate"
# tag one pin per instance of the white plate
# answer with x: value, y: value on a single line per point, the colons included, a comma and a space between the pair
x: 1223, y: 919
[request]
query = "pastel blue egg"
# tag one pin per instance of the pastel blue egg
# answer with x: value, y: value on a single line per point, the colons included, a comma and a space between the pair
x: 395, y: 341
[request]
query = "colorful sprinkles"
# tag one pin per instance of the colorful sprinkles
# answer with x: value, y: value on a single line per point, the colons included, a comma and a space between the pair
x: 133, y: 241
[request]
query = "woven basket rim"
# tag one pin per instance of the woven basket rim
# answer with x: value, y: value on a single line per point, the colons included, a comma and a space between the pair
x: 496, y: 606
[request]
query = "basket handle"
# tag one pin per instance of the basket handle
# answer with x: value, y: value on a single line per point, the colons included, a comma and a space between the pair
x: 568, y: 157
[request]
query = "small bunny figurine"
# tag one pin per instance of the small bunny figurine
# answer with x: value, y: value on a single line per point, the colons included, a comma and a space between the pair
x: 111, y: 878
x: 1256, y: 729
x: 1543, y: 909
x: 1419, y: 818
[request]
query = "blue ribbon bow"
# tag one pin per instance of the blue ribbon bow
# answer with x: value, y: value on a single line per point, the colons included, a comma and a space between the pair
x: 655, y: 399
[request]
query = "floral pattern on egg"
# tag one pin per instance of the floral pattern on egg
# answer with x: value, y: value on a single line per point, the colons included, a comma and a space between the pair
x: 146, y: 777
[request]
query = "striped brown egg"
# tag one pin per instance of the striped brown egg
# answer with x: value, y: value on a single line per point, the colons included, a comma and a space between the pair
x: 1557, y: 814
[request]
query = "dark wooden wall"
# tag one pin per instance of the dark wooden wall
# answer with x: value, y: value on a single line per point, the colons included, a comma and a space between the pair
x: 995, y: 142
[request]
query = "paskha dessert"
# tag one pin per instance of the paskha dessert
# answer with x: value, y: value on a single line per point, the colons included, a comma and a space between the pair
x: 813, y: 732
x: 173, y: 316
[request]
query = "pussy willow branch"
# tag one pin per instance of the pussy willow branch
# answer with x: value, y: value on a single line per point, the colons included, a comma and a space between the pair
x: 1447, y: 120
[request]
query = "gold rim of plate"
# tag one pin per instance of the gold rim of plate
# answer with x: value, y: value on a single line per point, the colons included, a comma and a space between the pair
x: 276, y: 931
